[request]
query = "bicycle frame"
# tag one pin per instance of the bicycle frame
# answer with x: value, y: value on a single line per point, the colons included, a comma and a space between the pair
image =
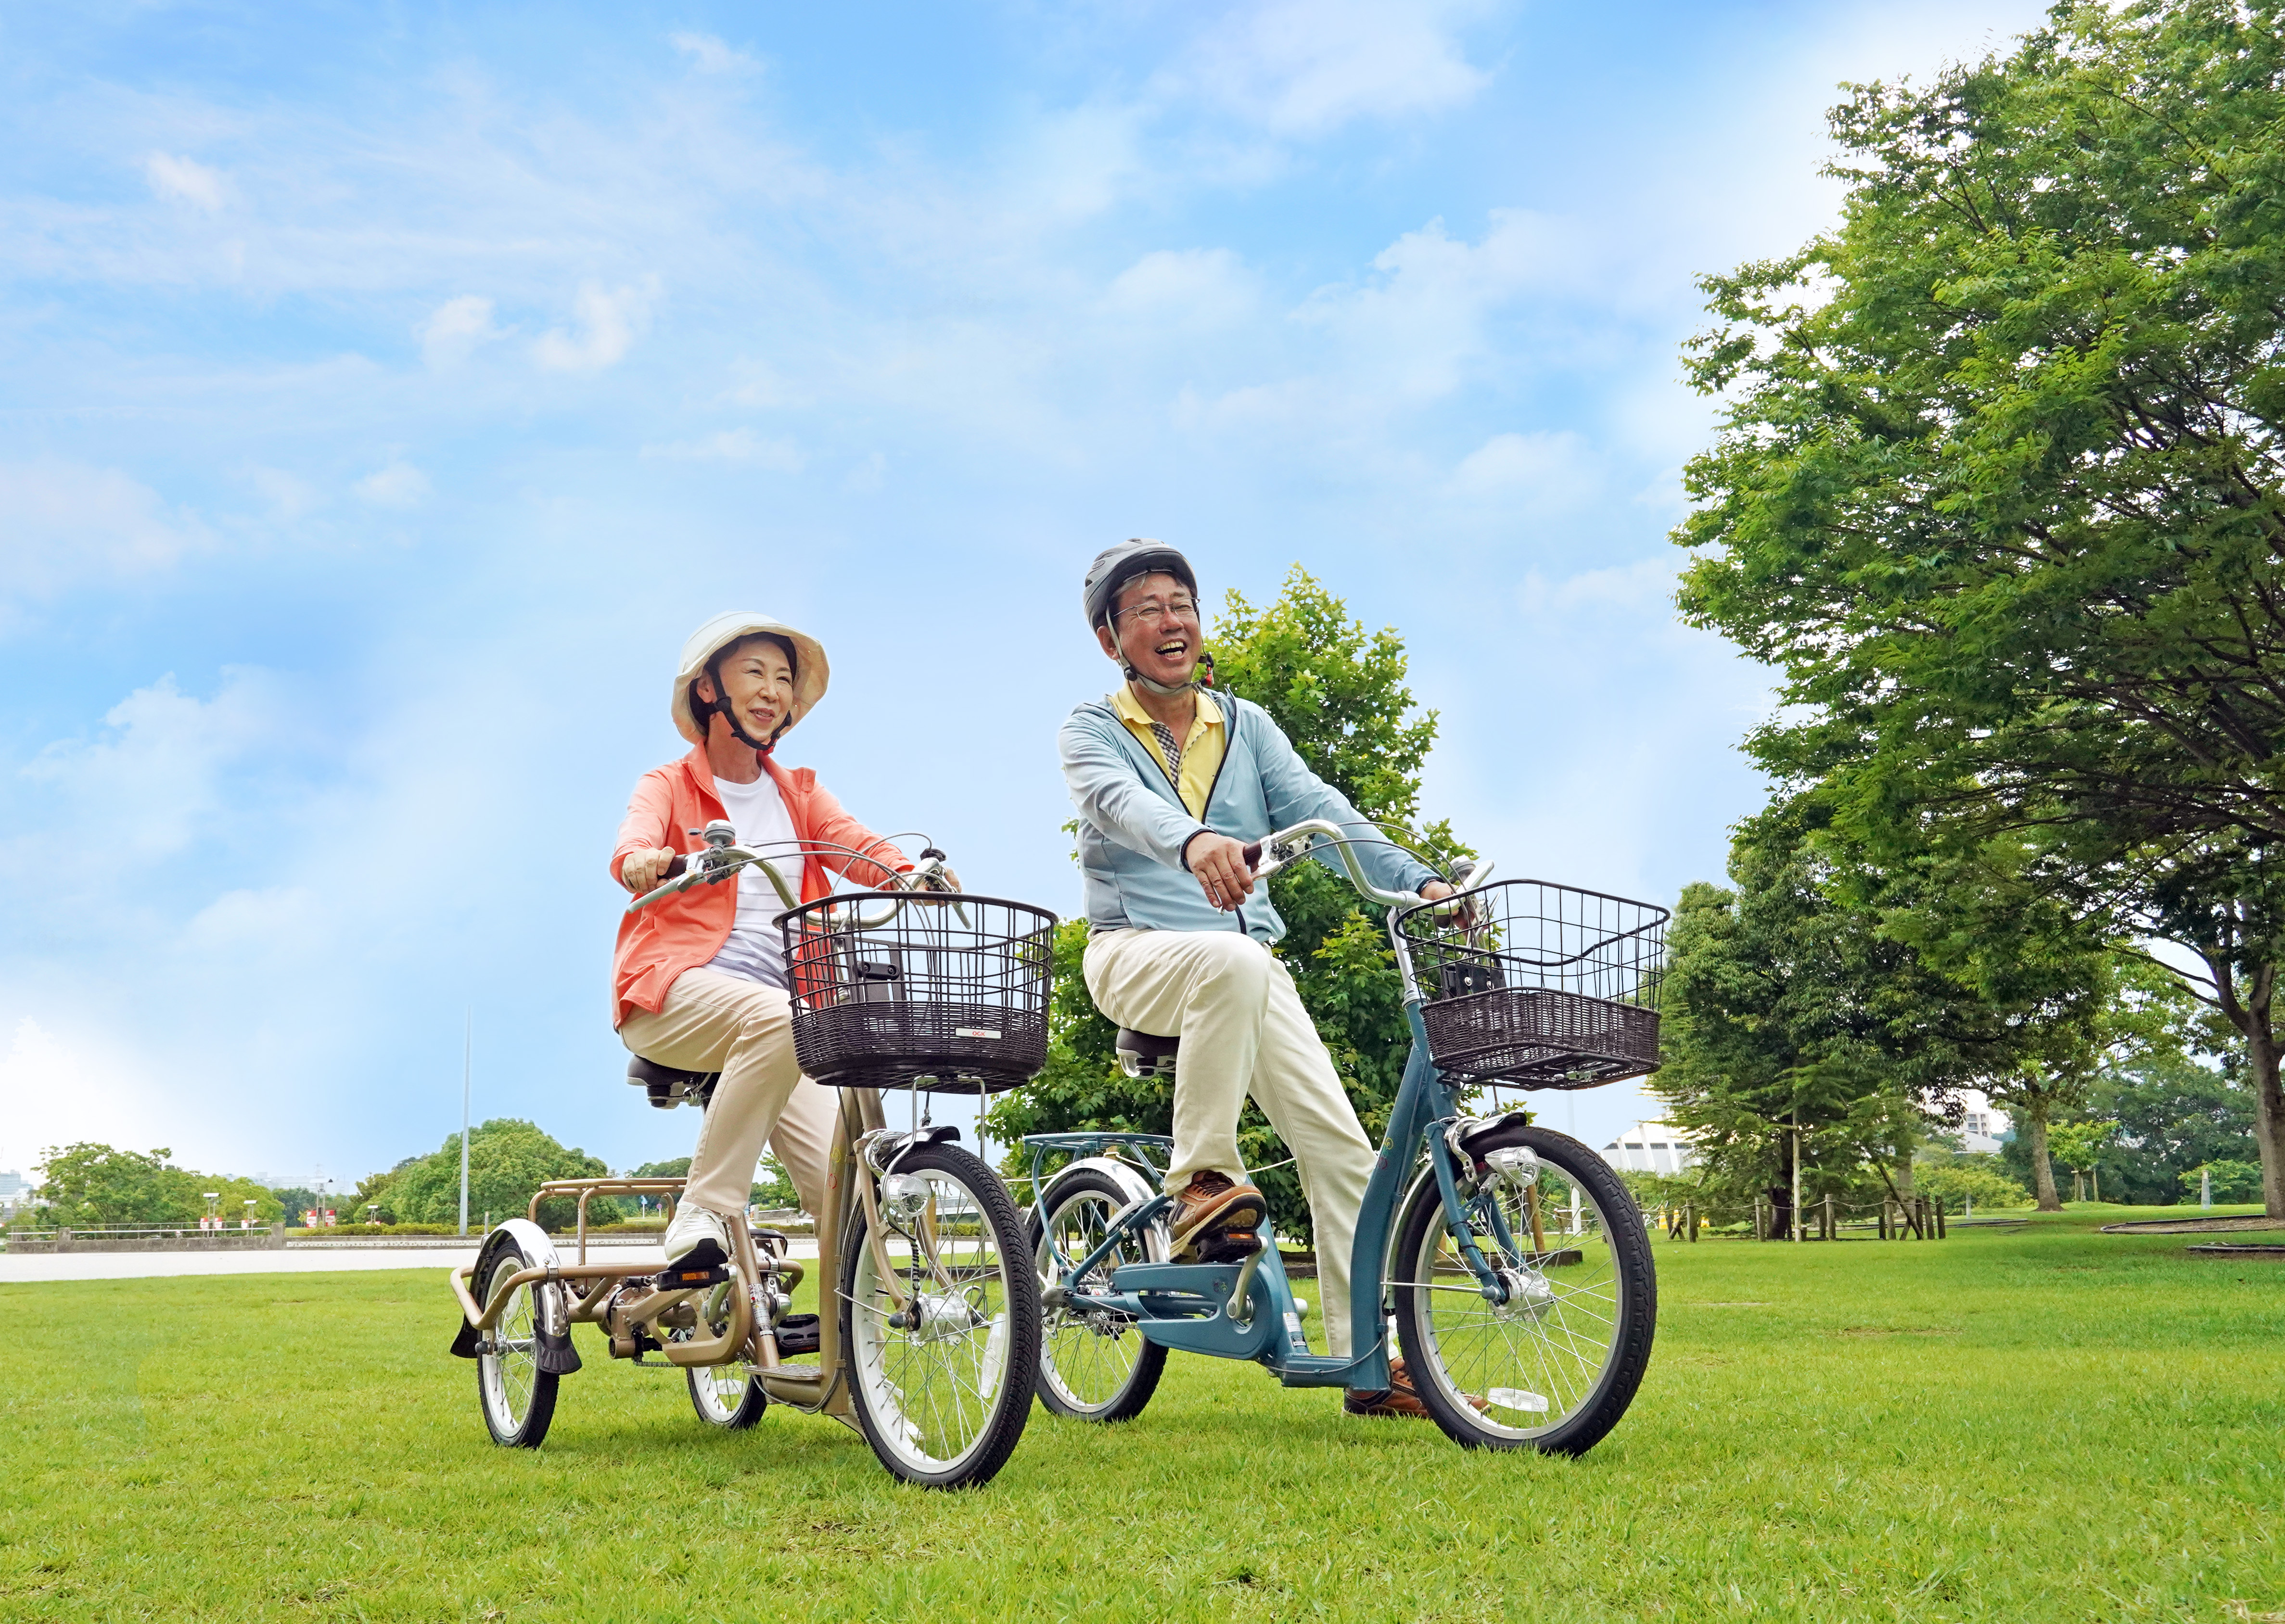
x: 1246, y: 1310
x: 595, y: 1286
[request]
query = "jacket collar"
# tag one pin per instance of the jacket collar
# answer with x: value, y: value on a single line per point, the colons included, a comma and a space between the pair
x: 700, y: 769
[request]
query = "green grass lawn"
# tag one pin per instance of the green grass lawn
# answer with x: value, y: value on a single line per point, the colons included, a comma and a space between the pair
x: 2046, y: 1423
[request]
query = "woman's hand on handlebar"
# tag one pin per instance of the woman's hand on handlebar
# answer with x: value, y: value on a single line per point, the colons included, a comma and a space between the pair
x: 1221, y: 866
x: 643, y: 871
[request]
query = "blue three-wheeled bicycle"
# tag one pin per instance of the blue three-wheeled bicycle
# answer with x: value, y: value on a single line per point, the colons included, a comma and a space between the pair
x: 1508, y: 1261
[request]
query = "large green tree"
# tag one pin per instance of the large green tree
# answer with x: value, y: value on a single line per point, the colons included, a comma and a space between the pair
x: 1339, y: 691
x: 86, y: 1185
x: 508, y: 1160
x: 1801, y: 1020
x: 2000, y: 488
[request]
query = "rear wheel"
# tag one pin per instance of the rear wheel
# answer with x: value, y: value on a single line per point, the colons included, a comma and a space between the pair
x: 1555, y: 1365
x: 942, y: 1343
x: 518, y: 1397
x: 727, y: 1396
x: 1094, y: 1365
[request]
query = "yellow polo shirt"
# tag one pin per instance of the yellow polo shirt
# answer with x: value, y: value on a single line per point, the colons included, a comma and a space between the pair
x: 1202, y: 750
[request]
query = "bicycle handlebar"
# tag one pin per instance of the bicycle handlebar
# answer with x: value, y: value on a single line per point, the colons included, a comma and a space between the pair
x: 720, y: 861
x: 1286, y: 845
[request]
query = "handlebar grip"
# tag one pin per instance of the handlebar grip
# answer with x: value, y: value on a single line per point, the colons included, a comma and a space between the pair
x: 1253, y: 855
x: 680, y: 865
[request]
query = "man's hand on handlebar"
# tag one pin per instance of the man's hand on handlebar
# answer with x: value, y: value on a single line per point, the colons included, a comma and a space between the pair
x: 1435, y: 890
x: 1220, y: 864
x: 644, y: 870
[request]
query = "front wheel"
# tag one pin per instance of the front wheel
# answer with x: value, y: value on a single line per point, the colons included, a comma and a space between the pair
x: 1094, y: 1364
x: 940, y: 1320
x: 1555, y: 1365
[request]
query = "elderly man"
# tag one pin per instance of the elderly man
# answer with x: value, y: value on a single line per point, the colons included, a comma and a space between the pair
x: 1172, y: 780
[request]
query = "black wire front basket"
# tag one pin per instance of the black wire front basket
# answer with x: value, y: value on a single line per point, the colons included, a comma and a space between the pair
x: 1545, y: 987
x: 922, y: 990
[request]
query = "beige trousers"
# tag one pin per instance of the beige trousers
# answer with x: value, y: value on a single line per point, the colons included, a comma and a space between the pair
x: 1244, y: 1031
x: 711, y: 1022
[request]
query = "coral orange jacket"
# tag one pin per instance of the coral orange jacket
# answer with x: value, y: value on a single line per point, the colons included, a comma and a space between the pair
x: 658, y: 943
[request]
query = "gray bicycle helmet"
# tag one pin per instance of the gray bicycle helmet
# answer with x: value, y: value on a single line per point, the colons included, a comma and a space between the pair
x: 1115, y: 567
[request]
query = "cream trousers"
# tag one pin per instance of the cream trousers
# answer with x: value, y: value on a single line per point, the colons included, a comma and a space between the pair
x: 711, y: 1022
x: 1244, y: 1031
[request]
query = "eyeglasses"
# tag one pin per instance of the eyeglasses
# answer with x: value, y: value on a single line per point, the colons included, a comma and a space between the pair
x: 1151, y: 612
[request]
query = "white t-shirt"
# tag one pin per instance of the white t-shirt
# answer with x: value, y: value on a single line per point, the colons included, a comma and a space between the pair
x: 755, y: 949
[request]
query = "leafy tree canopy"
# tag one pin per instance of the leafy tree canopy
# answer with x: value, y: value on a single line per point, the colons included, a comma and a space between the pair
x: 87, y: 1185
x: 508, y: 1159
x: 2001, y: 491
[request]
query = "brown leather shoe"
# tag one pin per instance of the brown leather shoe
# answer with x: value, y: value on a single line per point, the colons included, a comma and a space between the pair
x: 1217, y: 1217
x: 1400, y: 1399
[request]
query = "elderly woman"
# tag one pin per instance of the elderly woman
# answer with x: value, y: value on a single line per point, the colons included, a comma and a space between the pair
x: 699, y: 981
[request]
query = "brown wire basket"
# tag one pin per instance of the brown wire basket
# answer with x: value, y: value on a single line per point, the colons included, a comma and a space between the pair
x: 1546, y: 986
x: 947, y: 994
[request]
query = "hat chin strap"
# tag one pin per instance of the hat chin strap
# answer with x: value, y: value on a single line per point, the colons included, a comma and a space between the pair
x: 722, y: 707
x: 1169, y: 688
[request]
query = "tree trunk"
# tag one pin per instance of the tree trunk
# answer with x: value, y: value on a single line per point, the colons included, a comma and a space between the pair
x: 2268, y: 1115
x: 2251, y: 1015
x: 2043, y: 1174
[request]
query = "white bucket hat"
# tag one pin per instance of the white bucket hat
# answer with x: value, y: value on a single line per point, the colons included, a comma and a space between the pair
x: 810, y: 670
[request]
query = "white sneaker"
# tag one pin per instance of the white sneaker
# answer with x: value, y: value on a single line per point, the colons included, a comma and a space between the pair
x: 697, y: 1238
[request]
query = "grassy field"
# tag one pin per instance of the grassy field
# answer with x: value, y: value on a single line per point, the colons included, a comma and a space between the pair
x: 2047, y: 1424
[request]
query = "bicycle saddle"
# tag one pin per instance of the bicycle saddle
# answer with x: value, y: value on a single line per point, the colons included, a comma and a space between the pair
x: 669, y: 1085
x: 1146, y: 1053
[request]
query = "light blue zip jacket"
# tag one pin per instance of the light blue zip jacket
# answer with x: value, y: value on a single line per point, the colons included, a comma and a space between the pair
x: 1133, y: 824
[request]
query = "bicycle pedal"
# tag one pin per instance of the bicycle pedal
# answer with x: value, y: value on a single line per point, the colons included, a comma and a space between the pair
x: 674, y: 1278
x: 798, y: 1333
x: 1236, y: 1246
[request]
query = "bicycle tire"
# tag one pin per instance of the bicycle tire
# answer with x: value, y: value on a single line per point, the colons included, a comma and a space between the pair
x: 516, y: 1396
x: 877, y: 1353
x: 725, y: 1396
x: 1060, y: 1388
x: 1430, y: 1314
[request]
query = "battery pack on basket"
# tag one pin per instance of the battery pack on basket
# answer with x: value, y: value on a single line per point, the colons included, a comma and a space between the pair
x: 1545, y: 987
x: 946, y: 994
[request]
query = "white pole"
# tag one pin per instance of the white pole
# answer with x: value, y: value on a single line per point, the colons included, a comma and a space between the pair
x: 2205, y: 1188
x: 1796, y: 1176
x: 467, y: 1053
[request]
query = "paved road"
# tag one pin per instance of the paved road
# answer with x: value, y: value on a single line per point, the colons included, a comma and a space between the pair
x: 144, y: 1265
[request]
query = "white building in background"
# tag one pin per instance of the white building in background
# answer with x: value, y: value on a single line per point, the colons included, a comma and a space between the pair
x: 1651, y: 1147
x: 1981, y: 1123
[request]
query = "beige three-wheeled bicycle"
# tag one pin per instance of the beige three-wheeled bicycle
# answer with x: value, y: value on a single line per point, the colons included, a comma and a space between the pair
x: 928, y: 1337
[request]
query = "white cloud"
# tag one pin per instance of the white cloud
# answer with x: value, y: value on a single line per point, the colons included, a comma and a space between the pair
x: 742, y: 446
x: 62, y: 523
x: 1546, y: 469
x: 609, y: 322
x: 1416, y: 325
x: 454, y: 329
x: 288, y: 495
x: 1200, y: 287
x: 709, y: 55
x: 56, y: 1091
x: 398, y: 484
x: 148, y: 787
x: 1307, y: 67
x: 1641, y: 590
x: 186, y: 180
x: 263, y: 921
x: 867, y: 476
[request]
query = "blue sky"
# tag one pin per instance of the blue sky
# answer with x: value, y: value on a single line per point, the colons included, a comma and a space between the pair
x: 386, y: 391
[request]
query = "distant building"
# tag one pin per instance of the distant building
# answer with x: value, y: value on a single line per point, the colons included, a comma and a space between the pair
x: 1651, y: 1147
x: 1981, y: 1123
